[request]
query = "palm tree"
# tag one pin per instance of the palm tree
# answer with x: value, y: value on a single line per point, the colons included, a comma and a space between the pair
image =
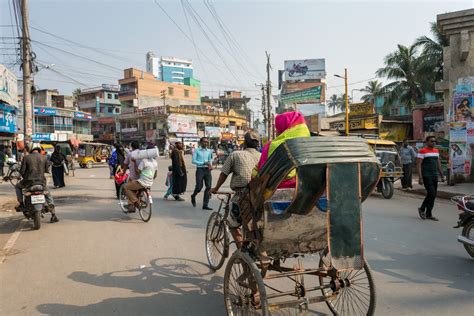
x: 431, y: 57
x: 373, y: 89
x: 333, y: 103
x: 403, y: 67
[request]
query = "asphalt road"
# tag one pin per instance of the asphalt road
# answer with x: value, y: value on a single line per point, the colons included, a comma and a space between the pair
x: 99, y: 261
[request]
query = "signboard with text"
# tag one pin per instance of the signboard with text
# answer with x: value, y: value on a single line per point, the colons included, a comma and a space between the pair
x: 311, y: 95
x: 359, y: 109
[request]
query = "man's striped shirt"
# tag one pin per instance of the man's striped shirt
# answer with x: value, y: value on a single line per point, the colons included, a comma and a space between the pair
x: 429, y: 165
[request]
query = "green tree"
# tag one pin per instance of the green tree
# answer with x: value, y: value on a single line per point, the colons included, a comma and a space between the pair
x: 333, y: 103
x: 338, y: 103
x: 431, y: 57
x: 372, y: 90
x: 75, y: 95
x: 402, y: 66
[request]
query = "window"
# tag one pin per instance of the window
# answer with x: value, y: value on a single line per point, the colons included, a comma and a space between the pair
x: 110, y: 96
x: 116, y: 96
x: 186, y: 93
x: 170, y: 91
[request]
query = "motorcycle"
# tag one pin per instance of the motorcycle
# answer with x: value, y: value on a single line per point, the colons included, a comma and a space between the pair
x: 13, y: 174
x: 466, y: 221
x: 35, y: 206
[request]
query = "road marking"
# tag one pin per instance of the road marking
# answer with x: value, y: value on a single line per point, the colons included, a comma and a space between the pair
x: 11, y: 242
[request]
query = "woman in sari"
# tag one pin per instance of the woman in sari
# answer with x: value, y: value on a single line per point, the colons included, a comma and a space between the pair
x: 288, y: 125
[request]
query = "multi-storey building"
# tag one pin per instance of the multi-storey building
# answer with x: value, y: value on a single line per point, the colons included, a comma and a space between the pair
x: 175, y: 70
x: 8, y: 106
x: 104, y: 105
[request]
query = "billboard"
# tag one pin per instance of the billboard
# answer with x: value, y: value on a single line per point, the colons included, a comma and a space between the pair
x: 8, y: 87
x: 311, y: 95
x: 8, y: 119
x: 179, y: 123
x: 360, y: 109
x: 305, y: 69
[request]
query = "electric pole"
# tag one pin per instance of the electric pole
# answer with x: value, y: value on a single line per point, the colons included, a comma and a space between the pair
x: 26, y: 67
x: 269, y: 92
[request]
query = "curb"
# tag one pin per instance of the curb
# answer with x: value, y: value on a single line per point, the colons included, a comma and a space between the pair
x: 441, y: 194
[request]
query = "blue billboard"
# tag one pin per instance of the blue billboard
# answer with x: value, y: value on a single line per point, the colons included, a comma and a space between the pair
x: 45, y: 111
x: 8, y: 119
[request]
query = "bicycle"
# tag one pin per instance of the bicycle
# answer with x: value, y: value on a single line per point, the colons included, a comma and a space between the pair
x: 13, y: 173
x: 217, y: 233
x: 143, y: 206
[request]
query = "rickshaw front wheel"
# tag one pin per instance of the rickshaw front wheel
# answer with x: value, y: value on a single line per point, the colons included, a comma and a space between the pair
x: 387, y: 188
x: 244, y: 290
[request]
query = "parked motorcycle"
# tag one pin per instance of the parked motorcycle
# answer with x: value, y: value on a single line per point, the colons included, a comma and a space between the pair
x: 466, y: 221
x: 35, y: 206
x: 13, y: 174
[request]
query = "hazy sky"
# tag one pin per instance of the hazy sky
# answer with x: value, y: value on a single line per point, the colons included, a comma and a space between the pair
x: 351, y: 34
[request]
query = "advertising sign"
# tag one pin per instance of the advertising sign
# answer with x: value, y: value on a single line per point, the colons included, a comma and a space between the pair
x: 82, y: 116
x: 8, y: 86
x: 462, y: 108
x: 311, y: 95
x: 44, y: 111
x: 460, y: 158
x: 470, y: 132
x: 213, y: 131
x: 179, y: 123
x: 358, y: 109
x: 362, y: 123
x: 457, y: 132
x: 8, y: 119
x: 227, y: 136
x: 433, y: 119
x: 42, y: 137
x: 466, y: 81
x: 305, y: 69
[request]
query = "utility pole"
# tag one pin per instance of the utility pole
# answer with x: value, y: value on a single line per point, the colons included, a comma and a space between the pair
x: 26, y: 67
x: 264, y: 108
x: 347, y: 102
x: 269, y: 92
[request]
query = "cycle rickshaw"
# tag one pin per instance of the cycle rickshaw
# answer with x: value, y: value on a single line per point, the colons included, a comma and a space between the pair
x: 347, y: 171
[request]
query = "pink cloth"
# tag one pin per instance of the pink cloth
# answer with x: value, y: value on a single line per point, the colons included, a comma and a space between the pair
x: 282, y: 123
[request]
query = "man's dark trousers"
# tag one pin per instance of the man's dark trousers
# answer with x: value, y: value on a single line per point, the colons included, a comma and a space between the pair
x: 407, y: 176
x: 431, y: 186
x: 203, y: 175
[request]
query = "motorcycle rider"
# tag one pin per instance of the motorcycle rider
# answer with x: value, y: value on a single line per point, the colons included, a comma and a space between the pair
x: 32, y: 170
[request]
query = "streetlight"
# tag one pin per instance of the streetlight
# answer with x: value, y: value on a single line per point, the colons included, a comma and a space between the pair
x: 347, y: 100
x: 352, y: 93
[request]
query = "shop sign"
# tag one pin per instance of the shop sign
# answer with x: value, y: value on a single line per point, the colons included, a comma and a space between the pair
x: 227, y: 136
x: 8, y: 119
x: 41, y: 111
x: 367, y: 123
x: 82, y: 116
x: 129, y: 130
x: 106, y: 120
x: 358, y: 109
x: 43, y: 137
x: 183, y: 135
x: 64, y: 113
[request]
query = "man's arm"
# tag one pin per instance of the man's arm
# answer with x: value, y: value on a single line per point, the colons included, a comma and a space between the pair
x: 23, y: 167
x: 440, y: 169
x: 196, y: 161
x: 418, y: 169
x: 220, y: 182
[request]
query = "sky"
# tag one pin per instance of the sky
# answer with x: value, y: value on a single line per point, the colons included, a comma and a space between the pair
x: 94, y: 40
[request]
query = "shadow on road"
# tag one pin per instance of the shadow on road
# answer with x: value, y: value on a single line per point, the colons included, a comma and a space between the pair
x: 173, y: 286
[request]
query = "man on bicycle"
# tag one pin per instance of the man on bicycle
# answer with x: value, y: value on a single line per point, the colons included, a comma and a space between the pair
x: 146, y: 171
x: 240, y: 164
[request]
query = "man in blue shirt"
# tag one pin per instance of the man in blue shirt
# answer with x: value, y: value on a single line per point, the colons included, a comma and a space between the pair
x: 202, y: 158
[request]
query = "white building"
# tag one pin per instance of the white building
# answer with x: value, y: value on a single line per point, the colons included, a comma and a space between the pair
x: 153, y: 64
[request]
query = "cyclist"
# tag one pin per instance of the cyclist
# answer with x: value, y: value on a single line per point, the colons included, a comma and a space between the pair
x: 240, y: 163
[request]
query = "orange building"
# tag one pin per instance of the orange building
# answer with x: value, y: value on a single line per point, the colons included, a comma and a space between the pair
x: 140, y: 89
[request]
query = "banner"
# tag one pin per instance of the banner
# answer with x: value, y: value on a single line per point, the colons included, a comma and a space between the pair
x: 311, y: 95
x: 8, y: 119
x: 213, y: 131
x: 179, y: 123
x: 433, y: 119
x: 462, y: 108
x: 8, y: 87
x: 457, y: 132
x: 305, y: 69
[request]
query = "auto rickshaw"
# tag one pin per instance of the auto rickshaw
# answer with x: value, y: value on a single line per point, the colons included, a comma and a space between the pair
x: 387, y: 154
x: 91, y: 154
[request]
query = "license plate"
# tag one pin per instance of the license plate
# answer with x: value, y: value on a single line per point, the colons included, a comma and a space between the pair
x: 38, y: 199
x: 151, y: 199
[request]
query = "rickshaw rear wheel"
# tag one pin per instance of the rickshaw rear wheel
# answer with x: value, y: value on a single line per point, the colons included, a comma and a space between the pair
x: 244, y: 290
x: 356, y: 297
x: 89, y: 164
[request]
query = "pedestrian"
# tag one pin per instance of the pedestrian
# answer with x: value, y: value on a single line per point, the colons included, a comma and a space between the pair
x: 111, y: 162
x: 407, y: 157
x: 193, y: 149
x: 428, y: 166
x: 202, y: 158
x: 179, y: 174
x: 169, y: 182
x: 2, y: 161
x: 119, y: 164
x: 57, y: 167
x: 167, y: 148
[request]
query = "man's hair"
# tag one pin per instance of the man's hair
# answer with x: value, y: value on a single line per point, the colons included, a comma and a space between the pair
x: 251, y: 140
x: 430, y: 137
x: 135, y: 145
x: 202, y: 138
